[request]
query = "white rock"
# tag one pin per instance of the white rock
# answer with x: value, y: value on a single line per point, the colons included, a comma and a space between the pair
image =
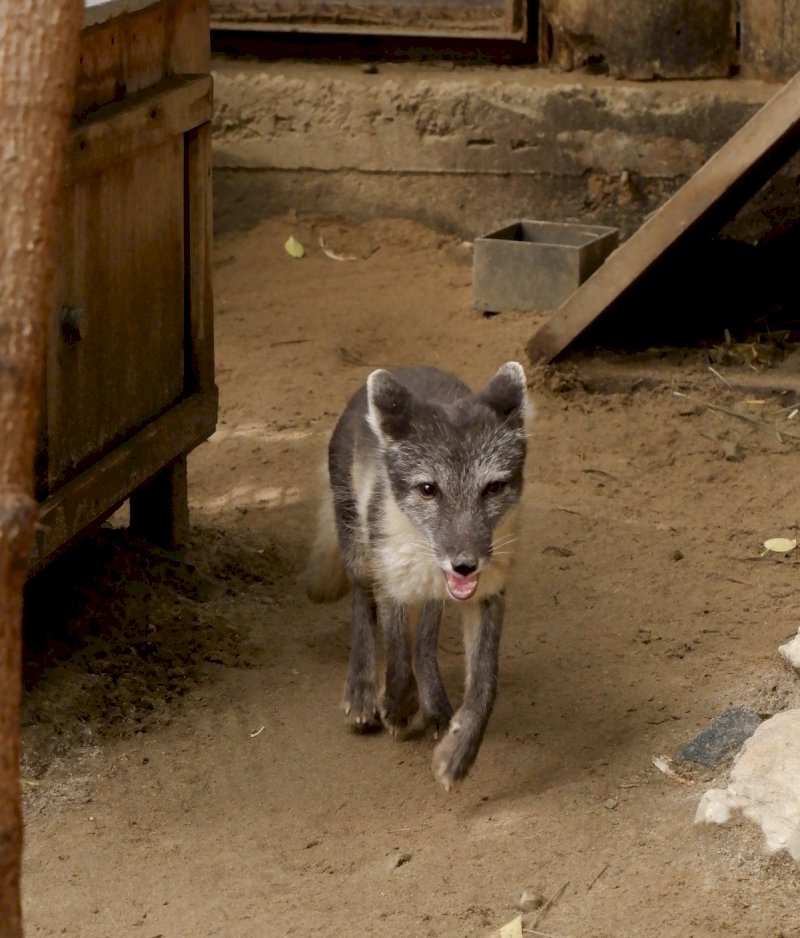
x: 713, y: 807
x: 764, y: 784
x: 790, y: 652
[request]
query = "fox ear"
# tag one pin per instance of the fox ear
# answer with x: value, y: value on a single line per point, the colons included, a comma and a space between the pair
x: 389, y: 406
x: 507, y: 394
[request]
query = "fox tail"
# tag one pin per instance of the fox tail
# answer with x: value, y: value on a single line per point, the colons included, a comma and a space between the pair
x: 325, y: 577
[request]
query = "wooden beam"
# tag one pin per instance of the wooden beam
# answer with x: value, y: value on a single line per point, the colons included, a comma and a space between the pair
x: 713, y: 195
x: 160, y: 508
x: 103, y: 487
x: 479, y: 31
x: 116, y: 131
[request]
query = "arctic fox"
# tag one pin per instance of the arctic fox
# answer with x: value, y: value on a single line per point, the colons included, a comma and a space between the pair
x: 425, y: 480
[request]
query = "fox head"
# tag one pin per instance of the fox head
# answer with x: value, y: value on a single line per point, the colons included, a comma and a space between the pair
x: 455, y: 468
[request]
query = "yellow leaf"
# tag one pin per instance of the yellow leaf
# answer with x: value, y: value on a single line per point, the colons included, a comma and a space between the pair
x: 512, y: 929
x: 781, y: 545
x: 293, y: 247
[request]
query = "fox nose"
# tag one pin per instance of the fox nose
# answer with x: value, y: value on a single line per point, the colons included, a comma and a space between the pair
x: 465, y: 566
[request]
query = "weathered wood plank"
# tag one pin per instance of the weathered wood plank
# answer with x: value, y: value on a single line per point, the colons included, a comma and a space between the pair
x: 647, y: 39
x: 497, y: 19
x: 197, y: 277
x: 117, y: 131
x: 100, y: 11
x: 190, y: 41
x: 127, y: 53
x: 770, y: 31
x: 715, y: 192
x: 92, y: 496
x: 121, y: 273
x: 480, y: 31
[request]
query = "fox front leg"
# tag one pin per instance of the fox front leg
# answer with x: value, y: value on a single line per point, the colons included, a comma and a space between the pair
x: 434, y: 704
x: 398, y: 701
x: 455, y: 754
x: 360, y: 701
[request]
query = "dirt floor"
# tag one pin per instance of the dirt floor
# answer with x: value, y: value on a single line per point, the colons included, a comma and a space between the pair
x: 187, y: 771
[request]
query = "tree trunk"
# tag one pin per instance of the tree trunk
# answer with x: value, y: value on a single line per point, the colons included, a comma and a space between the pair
x: 38, y: 61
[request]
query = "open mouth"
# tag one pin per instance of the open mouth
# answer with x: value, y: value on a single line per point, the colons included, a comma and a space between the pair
x: 461, y: 587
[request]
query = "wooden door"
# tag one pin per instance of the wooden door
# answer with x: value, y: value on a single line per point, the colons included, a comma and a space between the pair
x: 116, y: 354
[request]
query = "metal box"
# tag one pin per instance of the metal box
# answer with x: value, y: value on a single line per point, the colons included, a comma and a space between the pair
x: 536, y: 265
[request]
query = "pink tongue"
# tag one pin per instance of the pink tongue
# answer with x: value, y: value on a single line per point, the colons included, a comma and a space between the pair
x: 461, y: 587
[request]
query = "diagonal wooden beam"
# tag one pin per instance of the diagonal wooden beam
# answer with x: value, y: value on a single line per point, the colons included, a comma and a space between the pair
x: 713, y: 195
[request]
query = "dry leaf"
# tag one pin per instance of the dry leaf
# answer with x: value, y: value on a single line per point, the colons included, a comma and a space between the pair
x: 293, y: 247
x: 512, y: 929
x: 780, y: 545
x: 332, y: 254
x: 664, y: 765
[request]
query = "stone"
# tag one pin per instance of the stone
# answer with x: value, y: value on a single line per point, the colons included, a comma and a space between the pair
x: 732, y: 450
x: 721, y: 737
x: 764, y: 785
x: 790, y: 652
x: 530, y: 900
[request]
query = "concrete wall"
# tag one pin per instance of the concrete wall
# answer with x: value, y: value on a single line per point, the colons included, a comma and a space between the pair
x: 464, y: 149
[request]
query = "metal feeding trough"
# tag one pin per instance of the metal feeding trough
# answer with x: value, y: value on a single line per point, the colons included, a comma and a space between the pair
x: 536, y: 265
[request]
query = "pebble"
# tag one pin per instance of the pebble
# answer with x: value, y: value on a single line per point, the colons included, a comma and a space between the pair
x: 530, y: 901
x: 392, y: 862
x: 732, y: 451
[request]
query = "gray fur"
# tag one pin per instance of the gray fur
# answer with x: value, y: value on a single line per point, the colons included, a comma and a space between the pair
x: 425, y: 478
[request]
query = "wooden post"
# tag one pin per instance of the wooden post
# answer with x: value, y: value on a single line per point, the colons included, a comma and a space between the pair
x: 38, y: 61
x: 160, y: 508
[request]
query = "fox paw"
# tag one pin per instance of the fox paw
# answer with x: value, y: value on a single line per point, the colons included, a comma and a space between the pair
x: 454, y: 755
x: 398, y: 714
x: 360, y: 705
x: 437, y: 723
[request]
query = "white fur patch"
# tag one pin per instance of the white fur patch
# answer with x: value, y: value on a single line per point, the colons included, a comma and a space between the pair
x: 527, y: 405
x: 363, y: 482
x: 364, y: 476
x: 406, y: 567
x: 471, y: 624
x: 373, y: 417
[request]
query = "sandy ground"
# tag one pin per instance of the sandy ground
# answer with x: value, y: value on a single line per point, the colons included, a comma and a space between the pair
x: 187, y: 771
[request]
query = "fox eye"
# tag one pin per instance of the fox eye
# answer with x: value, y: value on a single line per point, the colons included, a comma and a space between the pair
x: 495, y: 488
x: 427, y: 489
